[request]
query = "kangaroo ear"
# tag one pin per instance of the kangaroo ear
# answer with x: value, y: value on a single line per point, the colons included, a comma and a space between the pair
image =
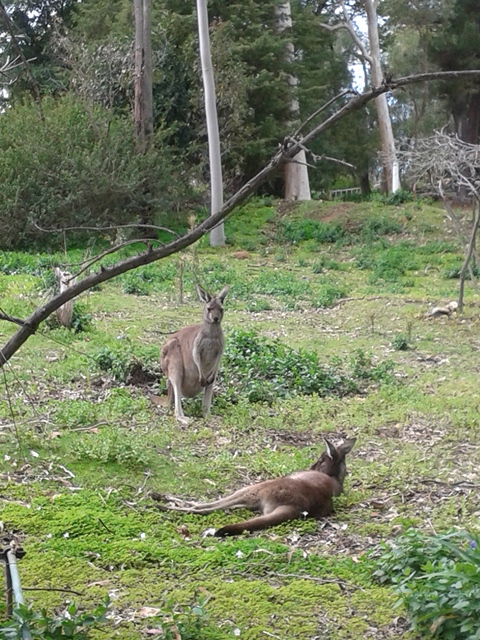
x: 203, y: 295
x: 346, y: 446
x: 223, y: 294
x: 329, y: 447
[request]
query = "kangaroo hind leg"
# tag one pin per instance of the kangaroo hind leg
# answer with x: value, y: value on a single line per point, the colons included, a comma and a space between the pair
x: 238, y: 500
x: 280, y: 514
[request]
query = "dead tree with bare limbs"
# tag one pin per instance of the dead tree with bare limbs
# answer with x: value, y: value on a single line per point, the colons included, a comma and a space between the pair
x: 451, y: 169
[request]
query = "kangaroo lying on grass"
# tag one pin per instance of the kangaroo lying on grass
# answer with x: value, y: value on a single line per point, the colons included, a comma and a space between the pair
x: 308, y: 493
x: 191, y: 356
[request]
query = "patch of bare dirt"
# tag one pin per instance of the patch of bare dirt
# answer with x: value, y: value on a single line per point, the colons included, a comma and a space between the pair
x: 335, y: 213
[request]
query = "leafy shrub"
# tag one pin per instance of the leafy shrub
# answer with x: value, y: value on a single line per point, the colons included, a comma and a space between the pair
x: 453, y: 273
x: 380, y: 226
x: 294, y: 231
x: 324, y: 263
x: 121, y: 360
x: 70, y: 624
x: 400, y: 343
x: 274, y: 283
x: 188, y: 622
x: 387, y: 262
x: 258, y: 305
x: 75, y: 167
x: 438, y: 580
x: 262, y: 370
x: 437, y: 246
x: 399, y: 197
x: 133, y: 283
x: 81, y: 318
x: 327, y: 296
x: 113, y: 445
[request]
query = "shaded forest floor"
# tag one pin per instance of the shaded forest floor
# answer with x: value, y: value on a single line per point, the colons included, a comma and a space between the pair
x: 85, y: 434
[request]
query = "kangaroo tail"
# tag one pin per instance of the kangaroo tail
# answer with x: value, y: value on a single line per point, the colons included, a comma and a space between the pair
x: 277, y: 516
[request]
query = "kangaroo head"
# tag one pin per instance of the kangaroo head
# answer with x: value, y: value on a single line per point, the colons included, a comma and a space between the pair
x: 213, y: 309
x: 332, y: 460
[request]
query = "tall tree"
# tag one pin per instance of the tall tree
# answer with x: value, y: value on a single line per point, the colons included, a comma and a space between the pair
x: 296, y: 183
x: 456, y: 45
x: 217, y: 234
x: 343, y: 17
x: 143, y: 105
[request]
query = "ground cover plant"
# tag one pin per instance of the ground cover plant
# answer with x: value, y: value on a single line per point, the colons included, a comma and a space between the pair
x: 327, y: 334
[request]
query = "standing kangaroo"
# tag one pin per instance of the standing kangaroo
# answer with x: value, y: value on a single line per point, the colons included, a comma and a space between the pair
x: 308, y: 493
x: 191, y: 356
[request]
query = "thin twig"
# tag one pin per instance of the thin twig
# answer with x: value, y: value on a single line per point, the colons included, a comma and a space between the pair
x: 109, y: 228
x: 104, y: 525
x: 12, y: 413
x: 77, y: 593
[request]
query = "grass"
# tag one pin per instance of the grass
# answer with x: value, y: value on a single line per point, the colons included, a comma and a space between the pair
x: 81, y: 448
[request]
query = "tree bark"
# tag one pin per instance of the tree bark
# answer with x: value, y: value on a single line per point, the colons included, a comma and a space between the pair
x: 29, y: 326
x: 390, y: 179
x: 143, y: 93
x: 466, y: 116
x: 296, y: 182
x: 217, y: 235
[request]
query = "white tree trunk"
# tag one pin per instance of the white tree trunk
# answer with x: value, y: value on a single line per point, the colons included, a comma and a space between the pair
x: 217, y: 235
x: 383, y: 114
x: 296, y: 182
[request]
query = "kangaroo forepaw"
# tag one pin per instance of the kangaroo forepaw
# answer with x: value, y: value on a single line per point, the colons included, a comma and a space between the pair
x: 203, y: 382
x: 211, y: 379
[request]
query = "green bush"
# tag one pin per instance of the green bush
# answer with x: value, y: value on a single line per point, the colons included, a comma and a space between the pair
x: 133, y: 283
x: 327, y: 296
x: 113, y: 445
x: 81, y: 318
x: 70, y: 624
x: 325, y: 263
x: 387, y: 262
x: 294, y: 231
x: 263, y: 370
x: 400, y: 343
x: 122, y: 359
x: 380, y: 226
x: 453, y: 273
x: 75, y: 167
x: 438, y: 580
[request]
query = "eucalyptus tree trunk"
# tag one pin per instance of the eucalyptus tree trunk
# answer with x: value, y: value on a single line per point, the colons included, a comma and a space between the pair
x: 217, y: 234
x: 389, y: 160
x: 143, y: 100
x: 296, y: 183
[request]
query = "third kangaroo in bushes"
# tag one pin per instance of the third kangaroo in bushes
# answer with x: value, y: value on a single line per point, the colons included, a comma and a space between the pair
x: 191, y: 356
x: 306, y: 493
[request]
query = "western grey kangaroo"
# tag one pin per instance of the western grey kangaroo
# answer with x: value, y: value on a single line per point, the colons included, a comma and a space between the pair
x: 307, y: 493
x: 191, y: 356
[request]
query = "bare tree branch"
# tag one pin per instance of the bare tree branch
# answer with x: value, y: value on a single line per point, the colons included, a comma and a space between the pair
x: 108, y: 228
x: 8, y: 26
x: 283, y: 155
x: 347, y: 24
x: 445, y: 161
x: 108, y: 251
x: 322, y: 108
